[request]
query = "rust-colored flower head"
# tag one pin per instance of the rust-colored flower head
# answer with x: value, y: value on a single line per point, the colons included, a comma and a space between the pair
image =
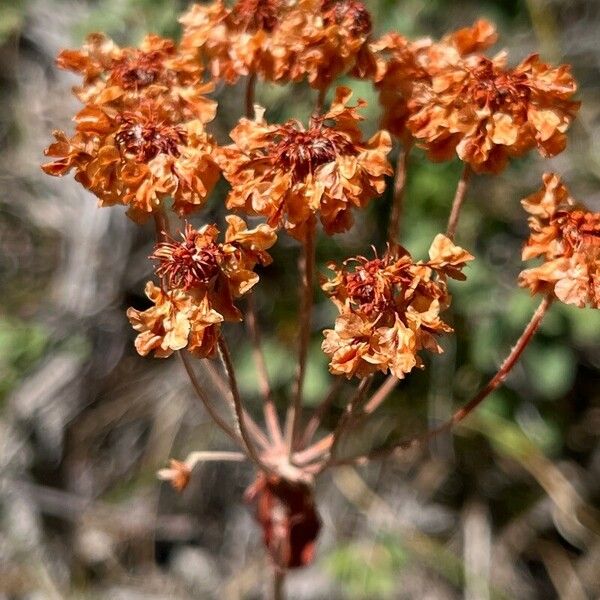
x: 401, y: 64
x: 389, y: 309
x: 201, y: 278
x: 137, y: 158
x: 320, y: 40
x: 235, y: 41
x: 120, y: 78
x: 567, y: 238
x: 486, y: 112
x: 289, y: 173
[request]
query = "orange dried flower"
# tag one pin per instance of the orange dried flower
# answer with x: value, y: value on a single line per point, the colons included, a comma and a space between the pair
x: 122, y: 77
x: 201, y: 278
x: 390, y: 309
x: 178, y: 474
x: 288, y: 173
x: 567, y: 237
x: 486, y: 112
x: 235, y: 41
x: 137, y: 158
x: 401, y: 64
x: 320, y: 40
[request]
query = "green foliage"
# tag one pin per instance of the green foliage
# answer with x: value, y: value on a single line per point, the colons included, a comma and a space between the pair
x: 21, y: 345
x: 369, y: 570
x: 11, y: 18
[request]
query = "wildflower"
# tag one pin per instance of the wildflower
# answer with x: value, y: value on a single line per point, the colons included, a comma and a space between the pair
x: 486, y: 112
x: 178, y: 474
x: 567, y: 238
x: 122, y: 77
x: 137, y: 158
x: 235, y: 41
x: 201, y: 278
x: 323, y: 39
x: 389, y: 309
x: 289, y: 173
x: 401, y: 64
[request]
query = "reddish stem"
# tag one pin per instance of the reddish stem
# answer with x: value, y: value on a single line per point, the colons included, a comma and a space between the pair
x: 470, y: 406
x: 459, y: 197
x: 398, y: 197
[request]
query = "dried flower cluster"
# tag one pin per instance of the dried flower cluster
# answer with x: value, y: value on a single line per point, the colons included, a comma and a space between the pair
x: 288, y: 173
x: 390, y: 309
x: 567, y: 238
x: 201, y: 279
x: 142, y: 140
x: 317, y: 40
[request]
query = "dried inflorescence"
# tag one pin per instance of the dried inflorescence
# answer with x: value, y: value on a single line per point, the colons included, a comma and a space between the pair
x: 281, y: 41
x: 288, y: 173
x: 486, y: 112
x: 389, y: 309
x: 567, y: 237
x: 201, y: 279
x: 401, y: 64
x: 119, y: 78
x: 137, y: 158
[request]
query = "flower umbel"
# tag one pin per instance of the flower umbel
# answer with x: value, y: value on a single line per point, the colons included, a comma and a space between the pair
x: 390, y: 309
x: 202, y: 277
x: 288, y: 173
x: 486, y: 112
x: 567, y: 238
x: 137, y: 158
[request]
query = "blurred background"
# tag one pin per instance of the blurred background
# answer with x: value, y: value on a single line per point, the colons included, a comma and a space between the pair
x: 507, y: 506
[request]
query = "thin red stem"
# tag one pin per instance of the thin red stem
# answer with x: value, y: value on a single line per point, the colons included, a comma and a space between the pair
x: 320, y: 412
x: 306, y: 268
x: 240, y: 413
x: 459, y: 197
x: 472, y: 404
x: 399, y: 190
x: 270, y: 412
x: 250, y: 93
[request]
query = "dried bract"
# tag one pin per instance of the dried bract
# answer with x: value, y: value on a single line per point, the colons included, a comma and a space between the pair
x: 567, y: 238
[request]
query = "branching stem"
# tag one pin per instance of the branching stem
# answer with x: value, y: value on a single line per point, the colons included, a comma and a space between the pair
x: 399, y: 192
x: 459, y: 197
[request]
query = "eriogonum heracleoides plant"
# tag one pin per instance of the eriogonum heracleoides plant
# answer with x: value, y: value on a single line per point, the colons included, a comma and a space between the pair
x: 143, y: 140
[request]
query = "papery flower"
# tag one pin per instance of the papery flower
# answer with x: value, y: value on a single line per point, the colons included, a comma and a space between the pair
x: 288, y: 173
x: 201, y: 278
x: 401, y: 64
x: 567, y: 237
x: 486, y: 112
x: 120, y: 78
x: 389, y: 309
x: 235, y: 41
x: 320, y: 40
x: 137, y: 158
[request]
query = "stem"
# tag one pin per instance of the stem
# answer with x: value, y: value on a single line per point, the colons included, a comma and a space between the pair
x: 278, y: 583
x: 250, y: 93
x: 459, y: 197
x: 212, y: 411
x: 399, y: 189
x: 472, y: 404
x: 322, y: 446
x: 240, y: 413
x: 320, y: 102
x: 269, y: 409
x: 306, y: 267
x: 320, y: 411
